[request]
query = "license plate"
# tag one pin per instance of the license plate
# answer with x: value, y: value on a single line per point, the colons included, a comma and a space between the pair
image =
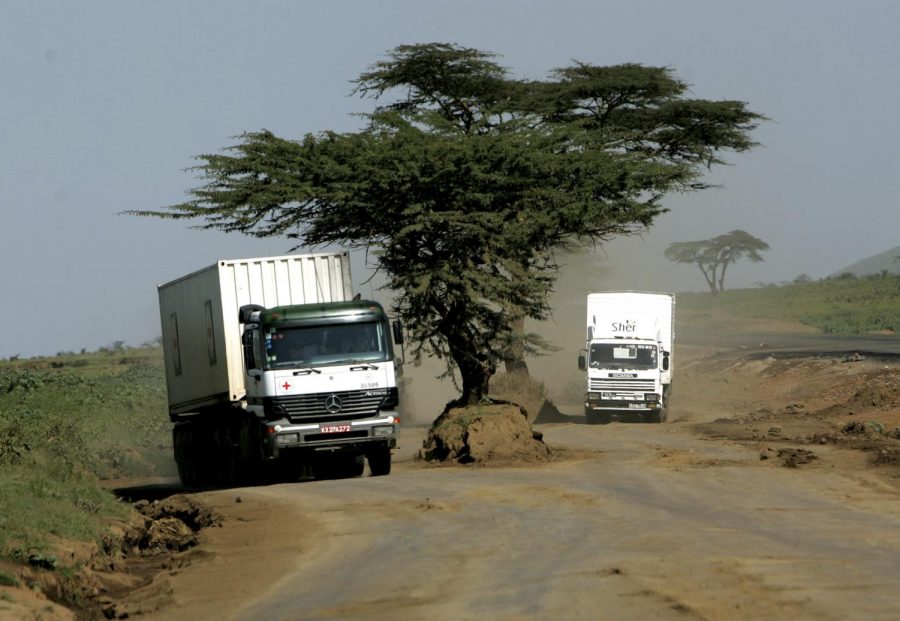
x: 334, y: 428
x: 636, y: 406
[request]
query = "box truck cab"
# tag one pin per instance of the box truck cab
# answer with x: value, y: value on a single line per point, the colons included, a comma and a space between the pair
x: 321, y: 374
x: 628, y: 356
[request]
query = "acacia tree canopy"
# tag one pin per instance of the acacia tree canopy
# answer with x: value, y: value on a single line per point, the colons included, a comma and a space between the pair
x: 464, y: 181
x: 713, y: 256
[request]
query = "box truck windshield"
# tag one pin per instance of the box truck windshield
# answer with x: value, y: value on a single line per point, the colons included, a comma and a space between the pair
x: 622, y: 356
x: 325, y: 344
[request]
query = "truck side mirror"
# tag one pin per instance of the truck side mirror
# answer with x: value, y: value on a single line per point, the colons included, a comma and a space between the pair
x: 248, y: 309
x: 665, y: 361
x: 397, y: 329
x: 590, y: 333
x: 581, y: 362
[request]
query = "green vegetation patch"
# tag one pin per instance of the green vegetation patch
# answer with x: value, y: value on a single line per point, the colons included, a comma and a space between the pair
x: 66, y: 423
x: 845, y: 305
x: 39, y: 503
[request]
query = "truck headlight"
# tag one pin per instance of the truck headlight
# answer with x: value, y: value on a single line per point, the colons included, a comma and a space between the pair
x: 383, y: 430
x: 651, y: 397
x: 593, y: 395
x: 287, y: 438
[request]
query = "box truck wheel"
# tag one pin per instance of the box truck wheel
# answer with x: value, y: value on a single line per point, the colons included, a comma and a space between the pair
x: 181, y: 444
x: 223, y: 456
x: 379, y: 461
x: 186, y: 454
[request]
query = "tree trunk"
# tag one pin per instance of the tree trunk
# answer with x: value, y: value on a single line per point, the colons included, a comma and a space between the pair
x: 722, y: 277
x: 710, y: 278
x: 475, y: 367
x: 475, y: 382
x: 514, y: 356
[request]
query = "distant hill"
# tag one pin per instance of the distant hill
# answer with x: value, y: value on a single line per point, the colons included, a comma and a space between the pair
x: 874, y: 264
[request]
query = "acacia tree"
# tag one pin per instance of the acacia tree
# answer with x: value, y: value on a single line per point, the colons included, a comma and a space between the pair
x: 465, y: 181
x: 713, y: 256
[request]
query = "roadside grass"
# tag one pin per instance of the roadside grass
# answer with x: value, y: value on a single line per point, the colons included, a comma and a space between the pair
x: 67, y: 423
x: 846, y: 305
x: 41, y: 504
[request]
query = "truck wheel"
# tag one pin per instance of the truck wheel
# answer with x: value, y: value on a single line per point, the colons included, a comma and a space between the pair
x: 224, y: 457
x: 183, y: 445
x: 380, y: 462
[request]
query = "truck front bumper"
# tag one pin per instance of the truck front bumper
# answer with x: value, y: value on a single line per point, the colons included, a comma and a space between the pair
x: 622, y: 406
x: 332, y: 436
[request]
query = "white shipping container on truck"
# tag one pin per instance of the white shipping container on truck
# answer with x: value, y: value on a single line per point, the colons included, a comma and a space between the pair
x: 629, y: 354
x: 244, y: 390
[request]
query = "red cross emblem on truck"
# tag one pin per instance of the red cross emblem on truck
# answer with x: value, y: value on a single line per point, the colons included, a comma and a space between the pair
x: 286, y: 386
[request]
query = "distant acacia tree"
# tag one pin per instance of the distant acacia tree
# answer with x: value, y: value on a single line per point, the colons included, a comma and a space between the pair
x: 713, y: 256
x: 465, y: 183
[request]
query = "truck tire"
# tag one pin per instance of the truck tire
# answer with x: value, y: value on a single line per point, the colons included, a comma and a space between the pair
x: 199, y: 453
x: 224, y: 459
x: 182, y: 441
x: 379, y: 461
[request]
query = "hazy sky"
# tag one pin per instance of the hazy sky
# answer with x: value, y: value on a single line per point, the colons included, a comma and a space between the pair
x: 104, y: 104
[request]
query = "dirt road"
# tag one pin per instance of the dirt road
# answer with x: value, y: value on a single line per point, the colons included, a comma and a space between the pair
x: 752, y: 503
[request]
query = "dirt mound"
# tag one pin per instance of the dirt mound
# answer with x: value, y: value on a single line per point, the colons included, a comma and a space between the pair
x: 484, y: 433
x: 873, y: 395
x: 793, y: 457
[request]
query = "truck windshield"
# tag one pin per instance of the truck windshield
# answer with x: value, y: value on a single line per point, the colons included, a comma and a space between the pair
x: 315, y: 345
x: 623, y: 356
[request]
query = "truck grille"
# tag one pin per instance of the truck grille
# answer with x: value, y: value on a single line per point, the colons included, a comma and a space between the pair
x: 612, y: 385
x: 354, y: 404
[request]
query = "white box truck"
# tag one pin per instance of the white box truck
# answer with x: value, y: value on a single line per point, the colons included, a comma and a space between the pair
x: 274, y: 361
x: 629, y: 355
